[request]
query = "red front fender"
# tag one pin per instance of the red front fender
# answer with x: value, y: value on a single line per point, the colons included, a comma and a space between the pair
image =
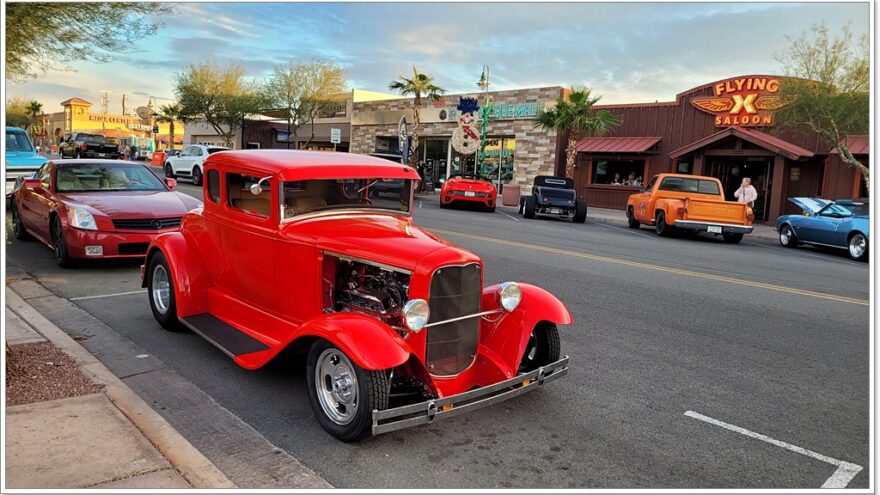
x: 191, y: 278
x: 509, y: 335
x: 371, y: 344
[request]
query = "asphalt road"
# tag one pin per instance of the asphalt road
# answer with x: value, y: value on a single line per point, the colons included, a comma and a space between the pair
x: 757, y: 339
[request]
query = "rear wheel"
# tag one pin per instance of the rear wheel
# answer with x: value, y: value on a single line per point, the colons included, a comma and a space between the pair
x: 858, y: 247
x: 660, y: 226
x: 160, y: 289
x: 522, y: 202
x: 529, y: 207
x: 787, y: 237
x: 631, y: 221
x: 732, y: 238
x: 342, y: 394
x: 543, y: 347
x: 580, y: 211
x: 197, y: 176
x: 17, y: 227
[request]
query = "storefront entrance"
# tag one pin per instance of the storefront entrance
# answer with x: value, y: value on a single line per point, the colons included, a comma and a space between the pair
x: 731, y: 171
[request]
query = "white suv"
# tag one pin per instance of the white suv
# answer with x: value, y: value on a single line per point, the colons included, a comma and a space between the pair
x: 189, y: 162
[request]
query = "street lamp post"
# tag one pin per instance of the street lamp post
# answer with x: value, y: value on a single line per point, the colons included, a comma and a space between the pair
x: 483, y: 83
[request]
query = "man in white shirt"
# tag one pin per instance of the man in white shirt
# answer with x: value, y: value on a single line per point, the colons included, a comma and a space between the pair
x: 746, y: 193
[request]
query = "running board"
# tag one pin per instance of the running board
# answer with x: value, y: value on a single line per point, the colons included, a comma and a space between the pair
x: 232, y: 341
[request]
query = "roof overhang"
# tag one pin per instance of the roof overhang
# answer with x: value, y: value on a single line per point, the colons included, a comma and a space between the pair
x: 617, y: 145
x: 758, y: 138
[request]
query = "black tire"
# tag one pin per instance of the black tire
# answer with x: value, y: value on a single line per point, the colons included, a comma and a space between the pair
x: 522, y: 202
x: 857, y: 247
x: 444, y: 205
x: 169, y: 171
x: 543, y: 347
x: 197, y: 176
x: 529, y: 207
x: 787, y: 237
x: 732, y: 238
x: 660, y: 226
x: 372, y: 390
x: 631, y: 221
x: 580, y: 211
x: 164, y: 312
x: 18, y: 229
x: 62, y: 257
x: 490, y: 209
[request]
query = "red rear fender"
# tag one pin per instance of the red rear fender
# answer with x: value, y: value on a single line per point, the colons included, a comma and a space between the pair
x: 371, y: 344
x: 191, y: 278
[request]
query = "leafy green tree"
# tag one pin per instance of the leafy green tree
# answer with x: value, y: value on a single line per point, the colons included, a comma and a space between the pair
x: 169, y: 113
x: 219, y: 96
x: 17, y: 112
x: 576, y: 117
x: 303, y: 91
x: 419, y: 85
x: 43, y: 36
x: 827, y: 89
x: 35, y: 114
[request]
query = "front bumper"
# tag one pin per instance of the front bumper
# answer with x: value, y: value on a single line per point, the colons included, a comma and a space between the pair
x: 422, y: 413
x: 451, y: 196
x: 726, y: 228
x: 113, y: 244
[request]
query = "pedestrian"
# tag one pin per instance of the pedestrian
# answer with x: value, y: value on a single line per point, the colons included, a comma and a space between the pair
x: 746, y: 193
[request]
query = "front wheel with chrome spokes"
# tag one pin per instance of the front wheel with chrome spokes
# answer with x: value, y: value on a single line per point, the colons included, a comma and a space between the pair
x: 160, y: 289
x: 343, y: 395
x: 858, y: 247
x: 542, y: 348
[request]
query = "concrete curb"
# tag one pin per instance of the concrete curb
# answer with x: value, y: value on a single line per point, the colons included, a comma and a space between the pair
x: 186, y: 459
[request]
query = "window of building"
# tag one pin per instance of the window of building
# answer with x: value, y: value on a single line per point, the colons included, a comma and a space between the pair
x: 214, y: 185
x: 240, y: 197
x: 618, y: 172
x: 499, y: 158
x: 387, y: 144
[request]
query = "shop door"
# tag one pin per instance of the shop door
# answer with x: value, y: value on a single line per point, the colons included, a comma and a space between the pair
x: 731, y: 171
x: 436, y: 153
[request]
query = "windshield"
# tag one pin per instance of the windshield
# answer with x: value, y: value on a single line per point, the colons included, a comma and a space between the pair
x: 310, y: 196
x: 18, y: 141
x: 846, y: 209
x: 92, y: 177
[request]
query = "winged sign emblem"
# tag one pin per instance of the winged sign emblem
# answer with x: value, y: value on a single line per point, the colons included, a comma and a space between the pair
x: 751, y: 103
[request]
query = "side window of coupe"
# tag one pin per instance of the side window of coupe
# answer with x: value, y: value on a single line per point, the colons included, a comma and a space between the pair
x: 240, y: 197
x: 44, y: 174
x: 214, y: 185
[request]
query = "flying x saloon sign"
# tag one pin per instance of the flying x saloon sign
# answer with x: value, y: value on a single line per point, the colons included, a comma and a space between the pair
x: 747, y: 101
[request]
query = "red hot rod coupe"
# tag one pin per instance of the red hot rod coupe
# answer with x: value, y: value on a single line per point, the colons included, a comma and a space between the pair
x: 291, y: 252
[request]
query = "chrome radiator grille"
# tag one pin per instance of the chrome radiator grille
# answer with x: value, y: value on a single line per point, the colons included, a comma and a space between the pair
x: 455, y: 291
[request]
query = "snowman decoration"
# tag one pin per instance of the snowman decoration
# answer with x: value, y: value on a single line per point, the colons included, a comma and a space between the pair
x: 466, y: 137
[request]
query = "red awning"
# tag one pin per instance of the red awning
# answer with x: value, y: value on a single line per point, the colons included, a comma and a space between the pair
x: 858, y: 145
x: 617, y: 144
x: 758, y: 138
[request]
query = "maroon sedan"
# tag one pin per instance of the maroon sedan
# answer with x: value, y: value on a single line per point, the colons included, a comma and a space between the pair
x: 96, y: 208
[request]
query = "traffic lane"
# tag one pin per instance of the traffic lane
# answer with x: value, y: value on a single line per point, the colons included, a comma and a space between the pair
x: 701, y: 253
x: 624, y: 400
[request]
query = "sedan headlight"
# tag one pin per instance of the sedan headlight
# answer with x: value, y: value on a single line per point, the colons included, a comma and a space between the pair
x: 81, y: 218
x: 508, y: 296
x: 416, y: 314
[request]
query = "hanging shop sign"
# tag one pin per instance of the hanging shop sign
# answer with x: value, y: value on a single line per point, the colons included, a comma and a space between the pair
x: 747, y: 101
x: 515, y: 110
x: 466, y: 137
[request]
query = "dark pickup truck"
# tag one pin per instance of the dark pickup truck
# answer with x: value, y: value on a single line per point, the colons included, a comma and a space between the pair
x: 82, y: 145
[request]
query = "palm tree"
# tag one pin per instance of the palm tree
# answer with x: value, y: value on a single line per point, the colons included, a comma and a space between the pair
x: 34, y: 111
x: 420, y: 85
x: 575, y: 116
x: 169, y: 113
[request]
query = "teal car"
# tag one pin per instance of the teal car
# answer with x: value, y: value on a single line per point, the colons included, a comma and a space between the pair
x: 841, y: 224
x: 21, y: 158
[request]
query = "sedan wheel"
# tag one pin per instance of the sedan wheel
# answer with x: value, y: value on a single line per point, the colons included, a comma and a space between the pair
x: 197, y: 176
x: 786, y: 237
x: 858, y: 247
x: 17, y: 228
x: 58, y: 244
x: 169, y: 172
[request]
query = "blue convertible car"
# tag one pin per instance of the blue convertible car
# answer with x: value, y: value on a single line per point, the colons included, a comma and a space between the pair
x: 841, y: 224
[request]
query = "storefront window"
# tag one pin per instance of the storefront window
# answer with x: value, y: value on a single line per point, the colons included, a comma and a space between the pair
x: 499, y: 158
x: 618, y: 172
x: 435, y: 153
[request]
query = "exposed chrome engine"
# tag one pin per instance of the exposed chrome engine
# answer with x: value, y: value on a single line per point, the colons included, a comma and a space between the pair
x: 365, y: 288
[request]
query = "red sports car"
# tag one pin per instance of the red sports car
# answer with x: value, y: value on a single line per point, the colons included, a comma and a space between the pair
x: 96, y: 208
x: 468, y: 188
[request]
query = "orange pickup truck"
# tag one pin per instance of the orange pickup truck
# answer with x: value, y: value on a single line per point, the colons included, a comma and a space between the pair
x: 691, y: 203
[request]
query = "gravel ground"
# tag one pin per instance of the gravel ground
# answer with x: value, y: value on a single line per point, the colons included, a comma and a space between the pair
x: 40, y: 371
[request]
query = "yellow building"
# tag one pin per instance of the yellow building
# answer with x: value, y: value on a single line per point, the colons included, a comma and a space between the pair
x: 77, y: 117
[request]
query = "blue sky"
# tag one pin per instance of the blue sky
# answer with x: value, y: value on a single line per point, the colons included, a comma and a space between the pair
x: 628, y: 52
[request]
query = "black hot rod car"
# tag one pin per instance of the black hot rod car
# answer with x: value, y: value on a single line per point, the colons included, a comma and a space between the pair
x: 553, y: 196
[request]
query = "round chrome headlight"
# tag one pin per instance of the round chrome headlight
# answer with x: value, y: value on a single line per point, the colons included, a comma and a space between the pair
x: 509, y: 294
x: 416, y: 314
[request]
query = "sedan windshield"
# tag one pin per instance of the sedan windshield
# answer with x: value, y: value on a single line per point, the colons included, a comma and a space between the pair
x: 82, y: 177
x: 311, y: 196
x: 17, y: 141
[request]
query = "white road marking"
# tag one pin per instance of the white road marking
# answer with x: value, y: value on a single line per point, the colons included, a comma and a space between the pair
x: 844, y: 473
x: 508, y: 216
x: 108, y: 295
x: 627, y: 230
x: 420, y: 204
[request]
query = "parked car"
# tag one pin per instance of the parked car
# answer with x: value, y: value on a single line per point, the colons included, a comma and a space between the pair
x: 468, y: 189
x: 553, y: 196
x: 190, y: 162
x: 22, y: 160
x: 842, y: 224
x: 96, y: 208
x: 84, y: 145
x: 690, y: 203
x: 393, y: 187
x: 289, y: 253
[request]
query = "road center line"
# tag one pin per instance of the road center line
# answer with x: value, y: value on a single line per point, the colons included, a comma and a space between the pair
x: 107, y: 295
x: 658, y: 268
x: 844, y: 473
x: 508, y: 216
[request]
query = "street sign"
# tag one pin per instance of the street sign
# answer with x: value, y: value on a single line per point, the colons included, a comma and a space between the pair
x: 335, y: 135
x: 155, y: 129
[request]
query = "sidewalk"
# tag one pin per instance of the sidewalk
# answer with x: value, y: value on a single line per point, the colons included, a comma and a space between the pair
x: 70, y: 423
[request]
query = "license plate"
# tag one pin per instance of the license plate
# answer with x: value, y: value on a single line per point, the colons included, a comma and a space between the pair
x: 470, y: 194
x: 101, y: 155
x: 714, y: 229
